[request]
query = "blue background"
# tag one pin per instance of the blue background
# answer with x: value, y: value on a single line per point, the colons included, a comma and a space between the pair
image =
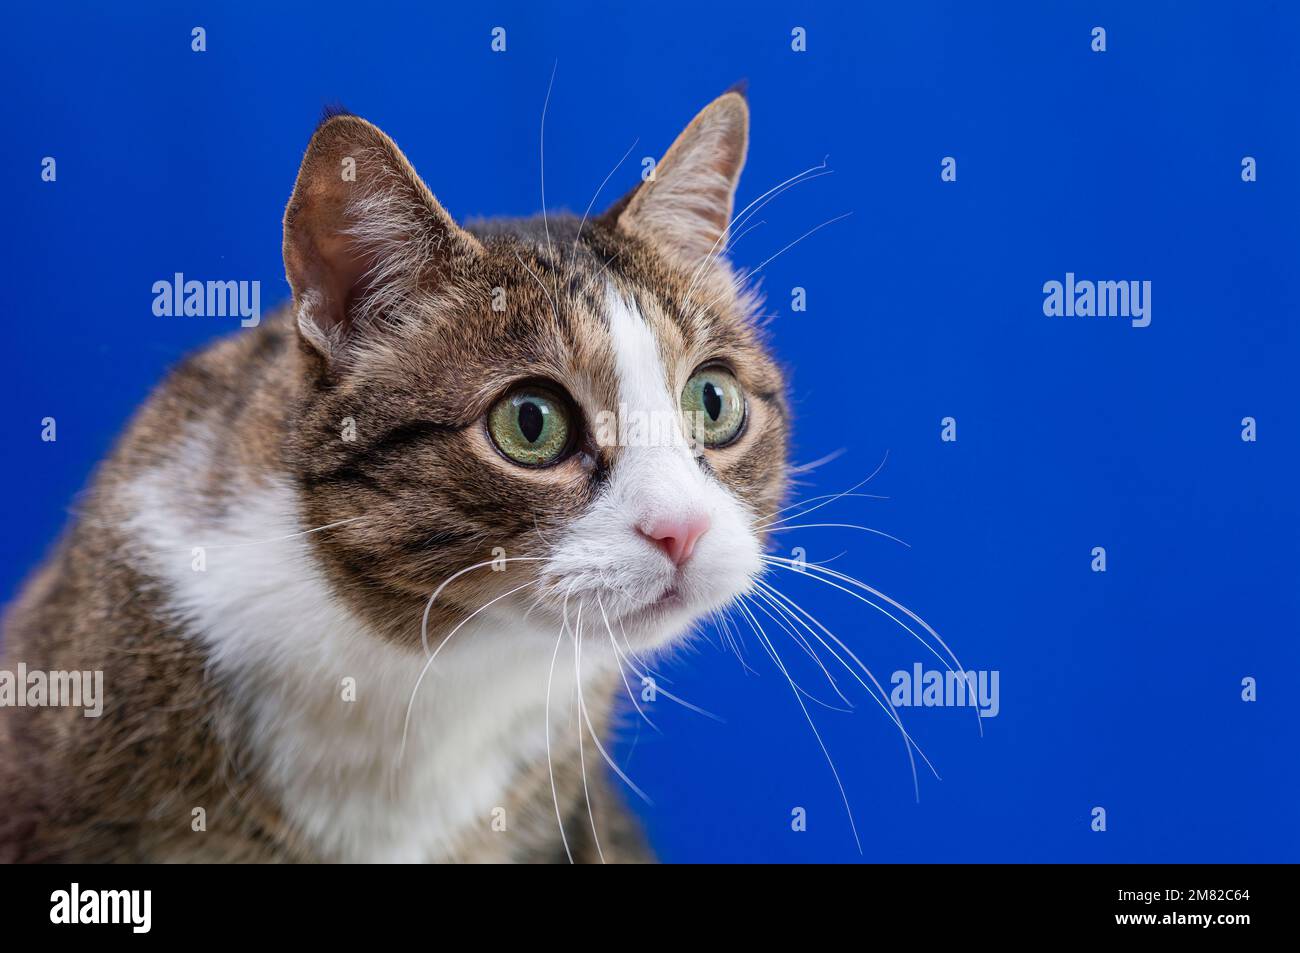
x: 1119, y: 690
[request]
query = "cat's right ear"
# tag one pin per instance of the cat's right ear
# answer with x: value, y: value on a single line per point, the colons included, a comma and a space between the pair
x: 361, y: 233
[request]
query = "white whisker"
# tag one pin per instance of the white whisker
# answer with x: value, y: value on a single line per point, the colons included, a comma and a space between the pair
x: 618, y: 657
x: 617, y: 165
x: 424, y: 621
x: 809, y: 569
x: 749, y: 275
x: 762, y: 605
x: 819, y: 462
x: 880, y: 699
x: 865, y: 529
x: 406, y: 724
x: 813, y: 571
x: 555, y: 310
x: 542, y: 157
x: 816, y: 734
x: 747, y: 613
x: 582, y: 755
x: 748, y: 212
x: 829, y: 498
x: 657, y: 679
x: 550, y: 764
x: 582, y: 709
x: 262, y: 542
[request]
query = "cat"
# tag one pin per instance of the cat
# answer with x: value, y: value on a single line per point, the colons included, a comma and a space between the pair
x: 367, y: 581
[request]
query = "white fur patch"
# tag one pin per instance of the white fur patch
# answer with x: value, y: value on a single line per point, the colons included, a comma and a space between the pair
x: 271, y: 623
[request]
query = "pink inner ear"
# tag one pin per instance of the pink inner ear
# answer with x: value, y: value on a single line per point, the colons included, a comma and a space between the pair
x: 687, y: 207
x: 342, y: 271
x: 321, y: 257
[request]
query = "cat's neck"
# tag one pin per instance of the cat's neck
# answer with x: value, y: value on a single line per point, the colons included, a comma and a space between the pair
x: 359, y: 761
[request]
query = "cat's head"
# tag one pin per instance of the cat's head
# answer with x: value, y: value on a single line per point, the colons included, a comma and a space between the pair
x: 581, y: 409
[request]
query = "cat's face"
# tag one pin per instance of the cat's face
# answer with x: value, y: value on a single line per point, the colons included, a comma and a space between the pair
x: 566, y: 423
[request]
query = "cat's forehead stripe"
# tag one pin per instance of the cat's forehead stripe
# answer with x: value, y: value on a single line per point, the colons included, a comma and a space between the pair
x: 643, y: 382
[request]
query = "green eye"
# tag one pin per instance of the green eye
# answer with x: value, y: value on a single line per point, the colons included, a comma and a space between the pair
x: 530, y: 426
x: 714, y: 406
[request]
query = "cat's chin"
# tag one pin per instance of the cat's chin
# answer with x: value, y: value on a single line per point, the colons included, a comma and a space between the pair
x: 654, y: 621
x: 669, y: 618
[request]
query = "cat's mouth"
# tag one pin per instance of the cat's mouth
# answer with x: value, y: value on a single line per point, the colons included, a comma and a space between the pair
x: 671, y: 600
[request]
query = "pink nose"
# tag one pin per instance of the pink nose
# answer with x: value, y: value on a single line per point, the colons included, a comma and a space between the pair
x: 676, y: 537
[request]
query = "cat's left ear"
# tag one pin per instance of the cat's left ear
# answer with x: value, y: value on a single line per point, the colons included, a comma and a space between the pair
x: 685, y: 207
x: 362, y: 233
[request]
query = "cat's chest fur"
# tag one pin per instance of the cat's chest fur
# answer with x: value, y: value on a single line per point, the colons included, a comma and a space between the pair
x: 325, y: 702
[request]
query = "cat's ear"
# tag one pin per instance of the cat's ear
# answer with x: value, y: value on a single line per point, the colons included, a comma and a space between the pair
x: 685, y: 207
x: 361, y: 232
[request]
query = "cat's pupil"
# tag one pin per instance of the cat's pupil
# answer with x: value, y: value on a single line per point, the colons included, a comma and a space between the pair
x: 712, y: 400
x: 531, y: 420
